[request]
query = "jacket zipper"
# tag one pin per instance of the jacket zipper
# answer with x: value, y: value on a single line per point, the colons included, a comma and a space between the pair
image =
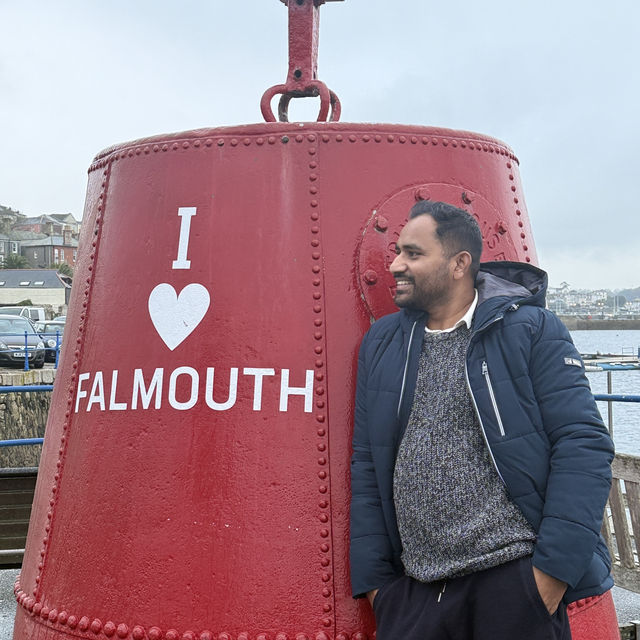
x: 406, y: 366
x: 475, y: 406
x: 485, y: 373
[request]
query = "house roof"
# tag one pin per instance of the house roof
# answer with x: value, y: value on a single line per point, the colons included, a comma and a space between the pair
x: 49, y: 241
x: 37, y: 279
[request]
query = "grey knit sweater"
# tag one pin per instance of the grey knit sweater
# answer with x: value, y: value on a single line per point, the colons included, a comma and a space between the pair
x: 454, y: 514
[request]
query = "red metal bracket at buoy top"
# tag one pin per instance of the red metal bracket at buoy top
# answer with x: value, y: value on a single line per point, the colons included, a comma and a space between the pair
x: 302, y: 79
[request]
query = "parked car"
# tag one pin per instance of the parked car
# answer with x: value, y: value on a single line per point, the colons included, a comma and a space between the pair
x: 60, y: 318
x: 14, y: 344
x: 51, y: 332
x: 35, y: 314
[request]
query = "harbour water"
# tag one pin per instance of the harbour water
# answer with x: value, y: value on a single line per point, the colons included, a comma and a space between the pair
x: 626, y: 416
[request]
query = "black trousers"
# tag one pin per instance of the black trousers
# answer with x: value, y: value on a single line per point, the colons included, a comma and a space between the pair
x: 502, y: 603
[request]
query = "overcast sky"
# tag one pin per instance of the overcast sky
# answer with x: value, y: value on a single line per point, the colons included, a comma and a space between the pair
x: 556, y: 80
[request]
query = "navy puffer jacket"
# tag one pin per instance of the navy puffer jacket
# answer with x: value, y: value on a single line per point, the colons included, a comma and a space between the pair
x: 543, y: 429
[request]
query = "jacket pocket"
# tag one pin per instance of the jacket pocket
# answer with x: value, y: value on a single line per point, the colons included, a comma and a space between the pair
x: 492, y: 395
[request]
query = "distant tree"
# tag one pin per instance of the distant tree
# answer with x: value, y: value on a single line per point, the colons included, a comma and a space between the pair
x: 64, y: 269
x: 15, y: 261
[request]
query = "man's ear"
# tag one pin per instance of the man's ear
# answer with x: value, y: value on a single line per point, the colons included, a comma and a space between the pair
x: 461, y: 264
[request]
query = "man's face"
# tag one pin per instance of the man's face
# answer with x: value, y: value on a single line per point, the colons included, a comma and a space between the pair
x: 422, y: 270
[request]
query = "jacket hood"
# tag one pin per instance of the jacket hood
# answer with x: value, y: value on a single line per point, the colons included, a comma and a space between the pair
x: 500, y: 284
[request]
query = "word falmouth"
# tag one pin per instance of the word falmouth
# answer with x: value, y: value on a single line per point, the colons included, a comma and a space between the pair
x: 182, y: 389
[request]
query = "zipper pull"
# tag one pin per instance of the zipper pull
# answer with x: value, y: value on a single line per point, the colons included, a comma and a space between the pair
x: 485, y: 368
x: 514, y: 307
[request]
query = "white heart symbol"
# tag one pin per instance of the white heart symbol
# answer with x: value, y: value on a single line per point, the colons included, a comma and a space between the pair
x: 176, y: 316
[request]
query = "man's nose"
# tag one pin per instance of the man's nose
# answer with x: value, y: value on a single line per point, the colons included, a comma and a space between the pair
x: 397, y: 266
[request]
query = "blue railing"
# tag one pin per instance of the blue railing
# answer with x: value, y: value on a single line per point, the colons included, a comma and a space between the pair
x: 28, y: 351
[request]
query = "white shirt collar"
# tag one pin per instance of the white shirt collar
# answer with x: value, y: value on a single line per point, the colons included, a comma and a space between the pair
x: 465, y: 320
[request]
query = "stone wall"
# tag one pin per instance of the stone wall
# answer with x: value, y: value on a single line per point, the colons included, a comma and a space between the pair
x: 23, y: 415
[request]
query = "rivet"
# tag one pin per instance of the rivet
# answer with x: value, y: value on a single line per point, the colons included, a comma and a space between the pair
x: 96, y: 626
x: 516, y: 200
x: 472, y: 146
x: 323, y: 517
x: 317, y: 335
x: 359, y: 636
x: 325, y: 137
x: 44, y: 613
x: 311, y: 137
x: 339, y: 137
x: 313, y: 190
x: 315, y: 243
x: 322, y: 488
x: 318, y: 322
x: 316, y: 282
x: 322, y: 475
x: 63, y: 617
x: 281, y: 636
x: 326, y: 622
x: 513, y: 188
x: 366, y: 138
x: 422, y: 193
x: 189, y: 635
x: 314, y: 215
x: 525, y: 247
x: 402, y: 139
x: 325, y: 562
x: 326, y: 577
x: 352, y: 138
x: 315, y: 268
x: 326, y: 592
x: 109, y: 629
x: 434, y: 142
x: 319, y: 376
x: 315, y: 229
x: 323, y: 504
x: 72, y: 623
x: 83, y: 625
x: 319, y: 363
x: 528, y: 259
x: 208, y: 142
x: 321, y: 433
x: 246, y: 142
x: 234, y: 142
x: 320, y: 418
x: 454, y: 144
x: 243, y: 636
x: 260, y: 141
x: 511, y: 176
x: 414, y: 140
x: 518, y: 212
x: 302, y: 636
x: 377, y: 137
x: 313, y: 177
x: 370, y: 276
x: 138, y: 633
x: 318, y: 350
x: 317, y: 295
x: 312, y: 151
x: 314, y: 203
x: 172, y: 634
x: 204, y: 635
x: 382, y: 224
x: 320, y: 390
x: 317, y: 308
x: 508, y: 165
x: 299, y: 138
x: 122, y: 630
x: 271, y: 140
x: 520, y: 223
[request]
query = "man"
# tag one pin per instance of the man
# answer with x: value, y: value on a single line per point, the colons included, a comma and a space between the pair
x: 480, y: 466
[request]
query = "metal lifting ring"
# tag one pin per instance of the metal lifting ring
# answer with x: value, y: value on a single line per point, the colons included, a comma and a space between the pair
x: 328, y: 101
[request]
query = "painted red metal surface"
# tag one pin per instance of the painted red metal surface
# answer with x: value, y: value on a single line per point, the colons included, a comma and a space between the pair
x: 194, y: 479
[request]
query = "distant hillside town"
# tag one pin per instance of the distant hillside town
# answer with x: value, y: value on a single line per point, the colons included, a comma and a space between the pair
x: 47, y: 241
x: 565, y: 301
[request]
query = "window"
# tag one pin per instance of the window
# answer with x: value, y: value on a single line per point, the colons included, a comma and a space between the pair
x: 61, y: 255
x: 25, y: 283
x: 2, y: 283
x: 56, y: 256
x: 38, y: 283
x: 35, y: 255
x: 14, y: 247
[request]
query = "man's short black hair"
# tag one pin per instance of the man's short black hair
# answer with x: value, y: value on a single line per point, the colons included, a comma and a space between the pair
x: 457, y: 229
